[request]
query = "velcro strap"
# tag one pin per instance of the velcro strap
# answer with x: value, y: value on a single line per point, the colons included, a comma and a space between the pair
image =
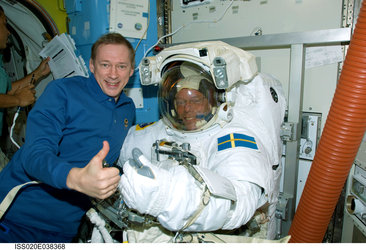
x: 204, y: 201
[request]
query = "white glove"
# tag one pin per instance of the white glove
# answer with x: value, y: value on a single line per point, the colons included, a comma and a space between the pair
x: 145, y: 186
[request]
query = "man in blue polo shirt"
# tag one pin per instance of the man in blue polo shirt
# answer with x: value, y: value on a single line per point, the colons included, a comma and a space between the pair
x: 75, y: 125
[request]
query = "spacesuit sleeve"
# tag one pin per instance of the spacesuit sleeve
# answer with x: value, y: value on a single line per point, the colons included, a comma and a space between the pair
x: 219, y: 213
x: 249, y: 172
x: 246, y: 177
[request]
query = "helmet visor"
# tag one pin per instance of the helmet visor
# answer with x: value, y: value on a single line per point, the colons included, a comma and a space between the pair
x: 187, y: 97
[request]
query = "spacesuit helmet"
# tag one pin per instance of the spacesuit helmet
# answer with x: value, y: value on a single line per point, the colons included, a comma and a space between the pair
x: 188, y: 98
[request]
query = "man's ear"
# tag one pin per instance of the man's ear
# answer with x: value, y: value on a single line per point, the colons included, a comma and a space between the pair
x: 131, y: 73
x: 91, y: 65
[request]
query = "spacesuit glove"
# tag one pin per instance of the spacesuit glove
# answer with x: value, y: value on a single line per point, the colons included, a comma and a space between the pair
x: 145, y: 186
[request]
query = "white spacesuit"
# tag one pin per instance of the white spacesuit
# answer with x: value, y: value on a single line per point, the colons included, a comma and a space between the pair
x: 213, y: 161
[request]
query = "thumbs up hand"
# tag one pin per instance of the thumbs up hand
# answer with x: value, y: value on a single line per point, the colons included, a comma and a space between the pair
x: 94, y: 180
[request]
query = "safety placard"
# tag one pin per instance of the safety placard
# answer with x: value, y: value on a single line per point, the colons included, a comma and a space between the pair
x: 129, y: 17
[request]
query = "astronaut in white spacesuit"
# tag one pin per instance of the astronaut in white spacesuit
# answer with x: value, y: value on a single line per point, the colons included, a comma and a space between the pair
x: 213, y: 162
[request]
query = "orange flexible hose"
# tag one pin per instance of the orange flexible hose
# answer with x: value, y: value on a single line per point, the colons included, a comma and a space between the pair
x: 338, y: 145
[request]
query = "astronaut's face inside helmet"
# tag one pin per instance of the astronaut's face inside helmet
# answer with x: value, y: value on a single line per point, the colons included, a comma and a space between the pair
x: 192, y: 108
x: 188, y: 98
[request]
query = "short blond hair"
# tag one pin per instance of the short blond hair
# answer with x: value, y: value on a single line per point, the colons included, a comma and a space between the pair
x: 113, y: 38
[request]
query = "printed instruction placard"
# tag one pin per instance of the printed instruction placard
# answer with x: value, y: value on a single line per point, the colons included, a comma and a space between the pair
x: 129, y: 17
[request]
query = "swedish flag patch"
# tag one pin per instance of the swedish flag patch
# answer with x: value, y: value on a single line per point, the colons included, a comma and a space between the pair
x: 236, y: 140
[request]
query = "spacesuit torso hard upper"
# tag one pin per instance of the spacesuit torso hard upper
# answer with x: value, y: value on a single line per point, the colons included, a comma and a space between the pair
x: 242, y: 147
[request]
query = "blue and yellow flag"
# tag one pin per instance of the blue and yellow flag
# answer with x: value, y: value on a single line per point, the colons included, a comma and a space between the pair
x: 236, y: 140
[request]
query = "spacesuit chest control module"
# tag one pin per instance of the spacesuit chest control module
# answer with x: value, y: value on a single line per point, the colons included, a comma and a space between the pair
x: 213, y: 162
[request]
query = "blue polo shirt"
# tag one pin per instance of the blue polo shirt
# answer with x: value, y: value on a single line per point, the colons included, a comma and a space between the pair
x: 5, y: 86
x: 65, y: 129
